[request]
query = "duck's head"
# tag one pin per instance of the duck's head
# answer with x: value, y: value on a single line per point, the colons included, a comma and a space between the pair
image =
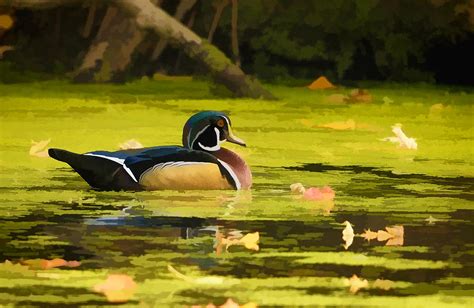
x: 206, y: 130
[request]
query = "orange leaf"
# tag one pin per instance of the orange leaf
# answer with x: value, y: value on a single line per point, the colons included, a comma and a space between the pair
x: 48, y: 264
x: 118, y: 288
x: 383, y: 235
x: 369, y: 235
x: 38, y: 149
x: 320, y: 84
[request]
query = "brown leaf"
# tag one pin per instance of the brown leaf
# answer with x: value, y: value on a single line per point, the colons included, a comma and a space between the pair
x: 118, y: 288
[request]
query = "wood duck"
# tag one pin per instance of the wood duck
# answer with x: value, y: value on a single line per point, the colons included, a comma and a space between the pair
x: 201, y: 163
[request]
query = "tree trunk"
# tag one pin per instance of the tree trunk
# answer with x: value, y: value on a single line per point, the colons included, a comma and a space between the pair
x: 183, y: 7
x: 220, y: 6
x: 86, y: 32
x: 111, y: 51
x: 148, y: 16
x: 235, y: 39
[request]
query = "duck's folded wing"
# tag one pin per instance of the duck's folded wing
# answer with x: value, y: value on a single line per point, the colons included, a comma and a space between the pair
x: 174, y: 168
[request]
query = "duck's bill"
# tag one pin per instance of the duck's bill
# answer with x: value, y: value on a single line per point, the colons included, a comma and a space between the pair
x: 234, y: 139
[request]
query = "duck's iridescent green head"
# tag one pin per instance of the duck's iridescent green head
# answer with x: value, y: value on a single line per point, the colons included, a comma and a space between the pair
x: 206, y: 130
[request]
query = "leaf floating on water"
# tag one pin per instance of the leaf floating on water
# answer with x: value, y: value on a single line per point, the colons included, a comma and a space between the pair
x: 369, y: 235
x: 355, y: 283
x: 394, y: 235
x: 387, y: 100
x: 383, y: 236
x: 49, y: 264
x: 320, y: 84
x: 228, y: 304
x: 297, y: 188
x: 347, y: 235
x: 431, y: 220
x: 209, y: 280
x: 130, y: 144
x: 383, y: 284
x: 401, y: 138
x: 118, y: 288
x: 342, y: 125
x: 249, y: 241
x: 38, y: 148
x: 319, y: 194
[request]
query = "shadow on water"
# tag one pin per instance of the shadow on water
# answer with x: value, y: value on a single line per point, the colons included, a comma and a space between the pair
x: 386, y: 181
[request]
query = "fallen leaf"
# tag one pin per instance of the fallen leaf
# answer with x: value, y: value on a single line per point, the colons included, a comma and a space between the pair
x: 344, y: 125
x: 369, y: 235
x: 383, y: 235
x: 320, y: 84
x: 38, y: 148
x: 297, y: 188
x: 355, y: 283
x: 118, y: 288
x: 398, y: 233
x: 319, y: 194
x: 249, y: 241
x: 383, y: 284
x: 359, y: 96
x: 403, y: 140
x: 431, y: 220
x: 387, y: 100
x: 209, y: 280
x: 347, y: 235
x: 130, y: 144
x: 48, y: 264
x: 307, y: 123
x: 228, y: 304
x: 336, y: 98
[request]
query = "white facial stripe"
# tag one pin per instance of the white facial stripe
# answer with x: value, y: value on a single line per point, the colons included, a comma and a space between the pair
x: 198, y: 134
x: 117, y: 160
x: 232, y: 173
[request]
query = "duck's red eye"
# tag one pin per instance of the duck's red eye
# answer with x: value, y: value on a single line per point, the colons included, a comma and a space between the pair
x: 220, y: 123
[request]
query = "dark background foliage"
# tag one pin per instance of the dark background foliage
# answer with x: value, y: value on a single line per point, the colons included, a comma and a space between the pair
x: 279, y: 40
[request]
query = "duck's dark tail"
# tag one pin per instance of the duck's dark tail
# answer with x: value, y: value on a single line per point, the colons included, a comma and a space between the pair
x: 96, y: 171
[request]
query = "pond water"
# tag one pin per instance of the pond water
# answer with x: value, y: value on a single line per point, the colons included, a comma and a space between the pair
x: 172, y: 243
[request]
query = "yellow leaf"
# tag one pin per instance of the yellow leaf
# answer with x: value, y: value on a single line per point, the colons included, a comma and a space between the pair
x: 347, y: 235
x: 297, y: 188
x: 383, y: 284
x: 355, y: 283
x: 130, y: 144
x: 118, y: 288
x: 342, y: 125
x: 38, y: 148
x: 250, y: 241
